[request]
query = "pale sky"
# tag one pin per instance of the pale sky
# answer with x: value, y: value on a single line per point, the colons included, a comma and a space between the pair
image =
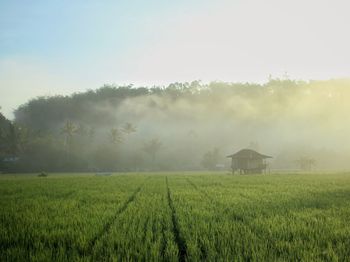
x: 61, y: 47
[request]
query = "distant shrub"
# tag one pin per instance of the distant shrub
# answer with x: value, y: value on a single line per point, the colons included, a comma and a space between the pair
x: 43, y: 174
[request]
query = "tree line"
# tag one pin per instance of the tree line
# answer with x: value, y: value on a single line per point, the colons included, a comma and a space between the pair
x: 126, y: 128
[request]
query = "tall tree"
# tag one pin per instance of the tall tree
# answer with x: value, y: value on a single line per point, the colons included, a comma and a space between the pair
x: 152, y: 147
x: 22, y: 137
x: 129, y: 128
x: 69, y: 129
x: 115, y: 136
x: 13, y: 140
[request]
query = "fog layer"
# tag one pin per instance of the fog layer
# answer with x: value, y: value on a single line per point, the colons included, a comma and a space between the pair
x: 177, y: 127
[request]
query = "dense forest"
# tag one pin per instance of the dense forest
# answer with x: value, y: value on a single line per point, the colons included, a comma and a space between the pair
x: 184, y: 126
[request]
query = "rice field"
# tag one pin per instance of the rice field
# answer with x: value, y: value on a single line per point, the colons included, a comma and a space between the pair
x: 175, y: 217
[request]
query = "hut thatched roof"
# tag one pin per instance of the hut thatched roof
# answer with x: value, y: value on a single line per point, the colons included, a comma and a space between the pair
x: 248, y: 154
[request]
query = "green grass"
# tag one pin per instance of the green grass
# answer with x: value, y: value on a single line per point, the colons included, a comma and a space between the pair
x: 175, y: 217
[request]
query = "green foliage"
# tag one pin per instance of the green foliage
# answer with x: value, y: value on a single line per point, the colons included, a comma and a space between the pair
x: 175, y: 217
x: 129, y: 128
x: 152, y: 147
x: 13, y: 141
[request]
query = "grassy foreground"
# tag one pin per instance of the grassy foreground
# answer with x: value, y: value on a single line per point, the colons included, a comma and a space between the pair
x: 175, y: 217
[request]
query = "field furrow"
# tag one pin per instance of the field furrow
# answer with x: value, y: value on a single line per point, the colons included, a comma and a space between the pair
x: 180, y: 241
x: 175, y: 217
x: 144, y: 231
x: 110, y: 221
x: 54, y: 228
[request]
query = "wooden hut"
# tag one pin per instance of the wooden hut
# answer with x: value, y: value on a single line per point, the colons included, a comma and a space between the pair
x: 248, y: 161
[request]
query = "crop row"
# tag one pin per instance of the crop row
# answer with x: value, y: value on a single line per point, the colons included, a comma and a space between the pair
x: 175, y: 218
x: 263, y: 218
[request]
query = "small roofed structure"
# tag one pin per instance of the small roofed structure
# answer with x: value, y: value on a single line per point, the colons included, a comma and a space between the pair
x: 247, y: 161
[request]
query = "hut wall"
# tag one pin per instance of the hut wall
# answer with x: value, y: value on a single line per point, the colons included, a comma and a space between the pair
x: 255, y: 164
x: 247, y: 164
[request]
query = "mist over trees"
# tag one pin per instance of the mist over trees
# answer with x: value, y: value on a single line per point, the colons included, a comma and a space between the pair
x: 184, y: 126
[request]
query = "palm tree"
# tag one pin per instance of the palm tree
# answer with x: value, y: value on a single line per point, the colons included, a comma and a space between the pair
x: 152, y: 147
x: 69, y: 129
x: 115, y: 136
x: 129, y: 128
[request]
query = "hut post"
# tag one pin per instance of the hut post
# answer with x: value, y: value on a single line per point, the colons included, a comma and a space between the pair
x: 232, y: 167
